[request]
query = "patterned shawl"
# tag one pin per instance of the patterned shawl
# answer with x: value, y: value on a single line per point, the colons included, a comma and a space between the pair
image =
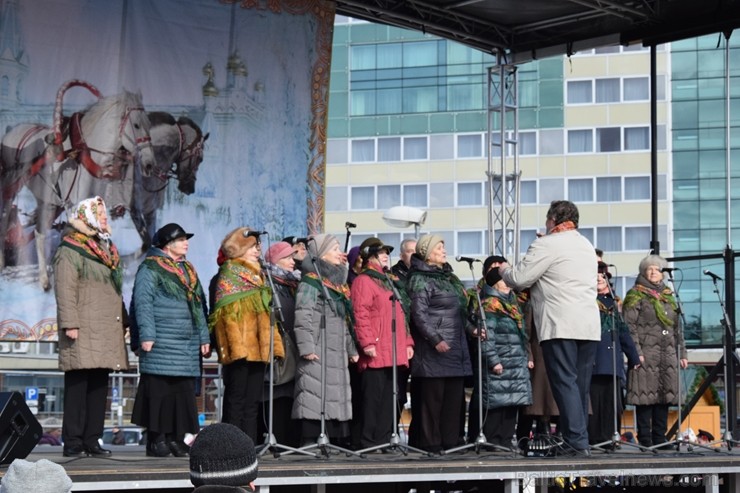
x: 176, y: 282
x: 89, y: 248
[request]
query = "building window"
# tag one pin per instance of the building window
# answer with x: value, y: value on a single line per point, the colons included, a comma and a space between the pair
x: 469, y: 194
x: 551, y: 189
x: 607, y: 90
x: 580, y: 141
x: 363, y: 150
x: 588, y: 233
x: 470, y: 243
x: 389, y: 196
x: 637, y: 188
x: 580, y: 92
x: 551, y: 142
x: 414, y: 148
x: 608, y: 189
x: 526, y: 237
x: 528, y: 191
x: 609, y: 238
x: 415, y: 195
x: 637, y: 139
x: 389, y: 149
x: 637, y: 238
x: 336, y: 199
x: 581, y: 190
x: 608, y: 139
x: 636, y: 89
x: 469, y: 146
x: 527, y: 143
x: 362, y: 198
x: 442, y: 194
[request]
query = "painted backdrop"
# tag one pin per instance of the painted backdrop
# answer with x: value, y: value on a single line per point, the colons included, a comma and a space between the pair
x: 244, y: 83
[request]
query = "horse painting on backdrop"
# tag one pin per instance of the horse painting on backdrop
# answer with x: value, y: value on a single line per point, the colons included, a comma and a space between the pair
x: 178, y: 151
x: 93, y: 152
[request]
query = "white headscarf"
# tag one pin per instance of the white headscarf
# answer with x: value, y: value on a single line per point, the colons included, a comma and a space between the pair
x: 87, y: 212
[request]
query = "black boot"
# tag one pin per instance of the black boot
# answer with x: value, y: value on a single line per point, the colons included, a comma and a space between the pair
x: 157, y: 447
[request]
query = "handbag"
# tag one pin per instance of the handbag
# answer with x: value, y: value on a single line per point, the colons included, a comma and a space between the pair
x: 284, y: 368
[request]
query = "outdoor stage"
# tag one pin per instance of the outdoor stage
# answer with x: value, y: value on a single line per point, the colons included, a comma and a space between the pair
x: 129, y: 469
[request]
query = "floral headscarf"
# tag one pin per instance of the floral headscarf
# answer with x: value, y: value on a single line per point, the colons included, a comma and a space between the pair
x: 87, y: 212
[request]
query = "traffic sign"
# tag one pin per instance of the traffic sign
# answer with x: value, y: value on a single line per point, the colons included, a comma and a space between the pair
x: 32, y: 393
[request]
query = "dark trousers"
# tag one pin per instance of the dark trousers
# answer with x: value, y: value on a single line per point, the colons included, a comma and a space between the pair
x: 85, y: 396
x: 440, y: 412
x: 500, y: 425
x: 377, y: 406
x: 652, y: 424
x: 243, y: 381
x: 569, y: 363
x: 601, y: 422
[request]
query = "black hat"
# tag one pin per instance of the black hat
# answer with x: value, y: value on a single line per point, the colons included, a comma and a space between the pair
x: 492, y: 277
x: 372, y: 246
x: 222, y: 455
x: 294, y: 240
x: 491, y: 260
x: 603, y: 268
x: 167, y: 233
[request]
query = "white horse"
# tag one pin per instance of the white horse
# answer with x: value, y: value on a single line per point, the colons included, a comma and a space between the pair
x: 91, y: 153
x: 178, y: 149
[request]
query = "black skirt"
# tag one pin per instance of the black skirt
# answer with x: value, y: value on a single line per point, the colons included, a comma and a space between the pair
x: 166, y: 405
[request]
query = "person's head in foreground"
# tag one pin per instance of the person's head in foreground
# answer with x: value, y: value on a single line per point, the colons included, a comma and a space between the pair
x: 223, y: 459
x: 42, y: 476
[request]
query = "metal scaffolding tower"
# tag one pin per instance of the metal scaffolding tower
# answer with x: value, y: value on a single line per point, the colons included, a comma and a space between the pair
x: 503, y: 172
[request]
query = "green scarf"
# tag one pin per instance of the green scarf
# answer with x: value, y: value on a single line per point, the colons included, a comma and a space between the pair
x: 91, y: 249
x: 656, y: 298
x: 340, y: 298
x: 176, y: 283
x: 238, y: 282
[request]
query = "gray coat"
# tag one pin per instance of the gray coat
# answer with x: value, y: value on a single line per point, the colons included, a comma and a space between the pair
x: 310, y: 306
x: 87, y: 300
x: 656, y: 380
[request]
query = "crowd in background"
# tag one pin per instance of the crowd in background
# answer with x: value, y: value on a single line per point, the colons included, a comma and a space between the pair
x: 339, y: 339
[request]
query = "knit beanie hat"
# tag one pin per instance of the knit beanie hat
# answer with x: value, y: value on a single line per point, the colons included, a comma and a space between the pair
x: 278, y: 251
x: 319, y: 245
x: 237, y: 242
x: 655, y: 260
x: 353, y: 255
x: 42, y: 476
x: 426, y: 244
x: 224, y: 455
x: 498, y: 259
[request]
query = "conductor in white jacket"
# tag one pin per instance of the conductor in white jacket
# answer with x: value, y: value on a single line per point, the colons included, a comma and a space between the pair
x: 561, y: 268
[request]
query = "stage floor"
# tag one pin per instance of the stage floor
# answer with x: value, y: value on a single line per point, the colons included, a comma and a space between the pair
x: 129, y: 469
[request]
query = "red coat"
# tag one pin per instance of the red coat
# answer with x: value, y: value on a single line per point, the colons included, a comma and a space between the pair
x: 373, y: 319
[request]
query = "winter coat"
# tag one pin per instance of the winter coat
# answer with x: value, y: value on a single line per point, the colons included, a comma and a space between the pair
x: 286, y: 284
x: 438, y: 313
x: 88, y: 300
x: 161, y: 312
x: 241, y: 317
x: 561, y: 270
x: 310, y: 338
x: 505, y: 344
x: 656, y: 380
x: 604, y: 363
x: 373, y: 309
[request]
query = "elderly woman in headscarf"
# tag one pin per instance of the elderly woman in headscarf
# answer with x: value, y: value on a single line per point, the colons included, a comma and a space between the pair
x: 170, y: 332
x: 329, y: 343
x: 241, y: 323
x: 651, y: 312
x: 91, y: 320
x: 439, y: 325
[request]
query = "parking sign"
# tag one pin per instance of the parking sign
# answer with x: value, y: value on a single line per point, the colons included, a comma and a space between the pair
x: 32, y: 393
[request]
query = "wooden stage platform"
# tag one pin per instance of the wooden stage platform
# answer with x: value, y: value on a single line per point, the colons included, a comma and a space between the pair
x: 697, y: 469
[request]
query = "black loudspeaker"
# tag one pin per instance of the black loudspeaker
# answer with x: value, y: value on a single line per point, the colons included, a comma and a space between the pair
x: 20, y: 431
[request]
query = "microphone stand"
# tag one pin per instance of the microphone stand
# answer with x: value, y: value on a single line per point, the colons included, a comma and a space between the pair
x: 481, y: 440
x: 727, y: 334
x: 611, y: 445
x: 322, y: 442
x: 395, y: 441
x: 276, y: 308
x: 346, y: 240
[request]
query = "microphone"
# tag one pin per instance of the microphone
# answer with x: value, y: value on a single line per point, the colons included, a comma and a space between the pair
x: 670, y: 269
x: 711, y: 274
x: 350, y: 225
x: 254, y: 233
x: 466, y: 259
